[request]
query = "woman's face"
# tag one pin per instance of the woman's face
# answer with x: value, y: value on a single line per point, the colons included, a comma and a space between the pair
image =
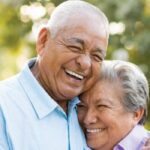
x: 102, y: 116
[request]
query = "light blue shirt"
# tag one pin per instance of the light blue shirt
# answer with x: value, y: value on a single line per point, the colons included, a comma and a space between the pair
x: 31, y: 120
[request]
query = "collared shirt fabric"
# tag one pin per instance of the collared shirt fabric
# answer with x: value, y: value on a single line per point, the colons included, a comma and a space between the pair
x: 135, y: 140
x: 31, y: 120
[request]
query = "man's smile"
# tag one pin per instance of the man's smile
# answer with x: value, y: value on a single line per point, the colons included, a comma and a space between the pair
x: 74, y: 74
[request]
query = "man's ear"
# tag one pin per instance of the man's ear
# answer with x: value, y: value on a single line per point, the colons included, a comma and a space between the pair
x: 41, y: 40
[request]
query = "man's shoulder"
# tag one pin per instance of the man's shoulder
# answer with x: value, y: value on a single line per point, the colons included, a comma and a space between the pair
x: 9, y: 86
x: 8, y: 83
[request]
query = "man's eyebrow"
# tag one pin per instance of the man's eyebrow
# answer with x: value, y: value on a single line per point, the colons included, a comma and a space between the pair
x: 76, y: 40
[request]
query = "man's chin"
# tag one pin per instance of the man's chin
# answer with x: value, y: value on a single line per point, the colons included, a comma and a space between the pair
x: 70, y: 95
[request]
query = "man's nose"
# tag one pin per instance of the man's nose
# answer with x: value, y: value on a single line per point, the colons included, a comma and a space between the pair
x: 90, y: 118
x: 84, y: 61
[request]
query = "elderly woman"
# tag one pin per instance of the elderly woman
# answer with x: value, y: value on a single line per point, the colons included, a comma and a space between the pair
x: 113, y: 112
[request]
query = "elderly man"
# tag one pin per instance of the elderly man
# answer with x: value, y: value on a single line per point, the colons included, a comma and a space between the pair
x: 36, y: 111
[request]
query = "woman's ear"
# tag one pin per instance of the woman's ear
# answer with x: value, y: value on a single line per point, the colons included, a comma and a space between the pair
x: 138, y: 114
x: 41, y: 41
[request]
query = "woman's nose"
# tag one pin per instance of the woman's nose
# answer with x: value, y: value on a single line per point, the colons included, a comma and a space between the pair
x: 90, y: 118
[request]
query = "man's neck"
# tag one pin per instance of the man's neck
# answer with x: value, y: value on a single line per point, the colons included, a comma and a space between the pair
x: 64, y: 105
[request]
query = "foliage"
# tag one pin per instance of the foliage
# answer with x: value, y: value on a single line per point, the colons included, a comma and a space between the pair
x: 132, y: 44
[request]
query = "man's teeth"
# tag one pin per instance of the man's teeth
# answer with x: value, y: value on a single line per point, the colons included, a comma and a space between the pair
x: 74, y: 74
x: 94, y: 130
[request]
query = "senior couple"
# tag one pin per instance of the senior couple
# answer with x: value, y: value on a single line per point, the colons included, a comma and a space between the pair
x: 39, y: 107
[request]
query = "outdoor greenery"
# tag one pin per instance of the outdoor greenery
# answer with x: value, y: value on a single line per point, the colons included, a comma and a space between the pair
x: 129, y: 31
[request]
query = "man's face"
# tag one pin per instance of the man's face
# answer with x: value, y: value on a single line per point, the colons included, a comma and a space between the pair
x: 70, y: 63
x: 102, y: 116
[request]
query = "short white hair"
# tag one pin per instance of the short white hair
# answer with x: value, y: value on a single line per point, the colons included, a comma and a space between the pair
x: 66, y: 10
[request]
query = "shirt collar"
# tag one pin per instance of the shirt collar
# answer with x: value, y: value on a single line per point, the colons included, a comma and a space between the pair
x: 137, y: 134
x: 74, y: 102
x: 43, y: 104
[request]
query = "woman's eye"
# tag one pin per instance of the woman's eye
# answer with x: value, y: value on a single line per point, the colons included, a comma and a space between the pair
x: 102, y: 106
x: 80, y: 105
x: 81, y: 109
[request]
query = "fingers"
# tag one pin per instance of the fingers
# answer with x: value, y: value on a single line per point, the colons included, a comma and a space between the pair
x: 147, y: 143
x: 146, y: 148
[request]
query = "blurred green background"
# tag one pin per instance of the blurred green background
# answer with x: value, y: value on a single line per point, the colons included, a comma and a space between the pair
x: 20, y: 21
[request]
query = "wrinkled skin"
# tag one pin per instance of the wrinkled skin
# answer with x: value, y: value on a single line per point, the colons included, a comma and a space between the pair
x: 70, y: 63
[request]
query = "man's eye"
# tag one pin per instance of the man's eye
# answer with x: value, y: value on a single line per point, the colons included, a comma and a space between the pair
x: 75, y: 48
x: 97, y: 58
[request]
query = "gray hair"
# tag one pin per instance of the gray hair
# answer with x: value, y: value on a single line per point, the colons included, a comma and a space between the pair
x: 66, y: 10
x: 134, y: 84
